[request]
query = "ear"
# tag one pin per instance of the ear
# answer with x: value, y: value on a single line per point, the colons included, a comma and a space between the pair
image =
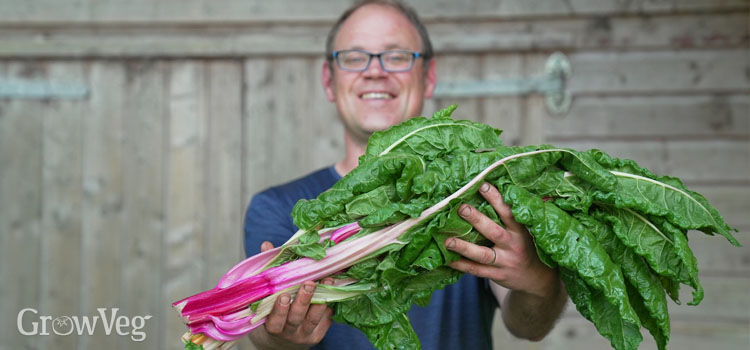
x: 326, y: 77
x: 430, y: 79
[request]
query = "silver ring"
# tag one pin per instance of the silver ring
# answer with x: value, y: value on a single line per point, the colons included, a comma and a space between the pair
x: 494, y: 256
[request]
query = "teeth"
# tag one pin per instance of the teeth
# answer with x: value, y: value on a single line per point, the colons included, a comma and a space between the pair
x: 376, y: 95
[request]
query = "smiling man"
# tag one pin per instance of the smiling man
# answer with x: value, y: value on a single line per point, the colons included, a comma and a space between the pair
x: 379, y: 70
x: 371, y: 92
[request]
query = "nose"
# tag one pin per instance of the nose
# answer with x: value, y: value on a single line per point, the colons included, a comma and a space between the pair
x: 375, y: 69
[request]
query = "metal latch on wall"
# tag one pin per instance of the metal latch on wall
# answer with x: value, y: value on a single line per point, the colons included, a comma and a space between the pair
x: 552, y: 84
x: 35, y: 89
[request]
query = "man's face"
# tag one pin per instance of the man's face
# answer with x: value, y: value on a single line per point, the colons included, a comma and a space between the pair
x: 374, y: 99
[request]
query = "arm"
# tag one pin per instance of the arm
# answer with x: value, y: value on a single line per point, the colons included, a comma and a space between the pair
x: 529, y: 316
x: 531, y: 295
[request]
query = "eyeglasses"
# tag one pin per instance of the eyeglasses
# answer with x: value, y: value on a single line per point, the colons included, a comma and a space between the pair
x: 392, y: 60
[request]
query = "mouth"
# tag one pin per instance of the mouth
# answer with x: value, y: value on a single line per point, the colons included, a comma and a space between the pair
x: 376, y: 96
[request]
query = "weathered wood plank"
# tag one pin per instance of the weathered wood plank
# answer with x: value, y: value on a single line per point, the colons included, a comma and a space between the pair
x: 223, y: 235
x: 62, y: 189
x: 104, y: 214
x: 224, y: 239
x: 663, y: 72
x: 606, y: 32
x: 725, y: 300
x: 662, y: 117
x: 458, y: 35
x: 709, y: 161
x: 300, y: 10
x: 717, y: 159
x: 327, y: 130
x: 21, y: 155
x: 145, y: 197
x: 184, y: 252
x: 293, y: 120
x: 731, y: 201
x: 575, y: 333
x: 722, y: 313
x: 271, y: 157
x: 505, y: 113
x: 260, y: 109
x: 459, y: 68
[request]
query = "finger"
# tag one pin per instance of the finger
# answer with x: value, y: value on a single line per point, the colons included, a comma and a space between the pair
x: 299, y: 308
x: 476, y: 269
x: 320, y: 331
x: 480, y: 254
x: 315, y: 315
x: 493, y: 196
x: 488, y: 228
x: 266, y: 246
x: 276, y: 320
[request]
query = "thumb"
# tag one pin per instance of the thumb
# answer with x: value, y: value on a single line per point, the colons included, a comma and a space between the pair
x: 266, y: 246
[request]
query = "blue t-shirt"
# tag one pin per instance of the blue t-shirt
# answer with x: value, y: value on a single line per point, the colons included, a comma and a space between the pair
x: 458, y: 316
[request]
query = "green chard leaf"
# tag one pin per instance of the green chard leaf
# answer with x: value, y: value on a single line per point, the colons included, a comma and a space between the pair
x: 369, y: 202
x: 595, y: 307
x: 398, y: 168
x: 667, y: 253
x: 583, y: 165
x: 573, y: 194
x: 569, y: 243
x: 643, y: 286
x: 653, y: 325
x: 665, y: 196
x: 431, y: 257
x: 432, y: 138
x: 193, y: 346
x: 395, y: 335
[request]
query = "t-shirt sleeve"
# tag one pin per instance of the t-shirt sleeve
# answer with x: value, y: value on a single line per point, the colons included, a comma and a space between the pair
x: 266, y: 219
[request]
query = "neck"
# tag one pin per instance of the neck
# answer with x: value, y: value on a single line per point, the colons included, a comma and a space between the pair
x: 354, y: 149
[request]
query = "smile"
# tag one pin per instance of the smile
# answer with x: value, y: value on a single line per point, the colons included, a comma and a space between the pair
x: 376, y: 96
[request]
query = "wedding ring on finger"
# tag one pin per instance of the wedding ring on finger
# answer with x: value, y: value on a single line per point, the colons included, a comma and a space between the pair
x: 494, y: 256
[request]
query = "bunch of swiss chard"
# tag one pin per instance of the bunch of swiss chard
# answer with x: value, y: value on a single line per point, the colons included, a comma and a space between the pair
x: 615, y: 231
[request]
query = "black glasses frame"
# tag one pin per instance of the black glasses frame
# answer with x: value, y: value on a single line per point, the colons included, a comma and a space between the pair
x: 414, y: 55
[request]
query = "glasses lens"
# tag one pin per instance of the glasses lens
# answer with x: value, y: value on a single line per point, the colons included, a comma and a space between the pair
x: 397, y: 60
x: 353, y: 60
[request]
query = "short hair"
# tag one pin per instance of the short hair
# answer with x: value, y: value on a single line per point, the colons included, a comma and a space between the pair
x: 404, y: 9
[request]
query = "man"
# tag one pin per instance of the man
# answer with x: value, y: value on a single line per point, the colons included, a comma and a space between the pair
x: 379, y: 71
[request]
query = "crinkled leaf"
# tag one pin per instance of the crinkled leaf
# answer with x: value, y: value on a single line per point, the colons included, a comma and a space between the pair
x: 586, y: 167
x: 367, y: 203
x: 569, y: 243
x: 399, y: 168
x: 395, y: 335
x: 595, y: 307
x: 364, y: 270
x: 665, y: 196
x: 654, y: 326
x: 645, y: 284
x: 432, y: 137
x: 573, y: 194
x: 430, y: 258
x: 667, y: 254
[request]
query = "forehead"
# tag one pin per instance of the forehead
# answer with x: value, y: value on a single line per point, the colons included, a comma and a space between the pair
x: 377, y: 28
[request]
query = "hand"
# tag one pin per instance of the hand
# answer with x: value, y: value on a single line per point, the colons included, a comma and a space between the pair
x: 512, y: 261
x: 294, y: 324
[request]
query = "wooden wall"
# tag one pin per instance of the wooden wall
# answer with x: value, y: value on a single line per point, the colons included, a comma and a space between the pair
x: 134, y: 196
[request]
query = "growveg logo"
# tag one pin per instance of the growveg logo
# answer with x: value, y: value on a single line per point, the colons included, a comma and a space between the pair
x: 83, y: 325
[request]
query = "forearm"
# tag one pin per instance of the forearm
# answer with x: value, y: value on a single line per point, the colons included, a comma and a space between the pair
x: 264, y: 341
x: 532, y: 316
